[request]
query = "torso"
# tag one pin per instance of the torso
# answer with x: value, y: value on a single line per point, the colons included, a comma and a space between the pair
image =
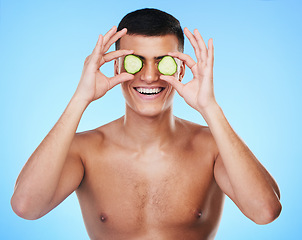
x: 167, y: 193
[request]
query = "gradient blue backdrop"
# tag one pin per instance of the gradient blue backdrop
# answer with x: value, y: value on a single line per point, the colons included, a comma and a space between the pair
x: 257, y: 78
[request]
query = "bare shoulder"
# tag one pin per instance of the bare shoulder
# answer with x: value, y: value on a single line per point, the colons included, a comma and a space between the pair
x: 85, y: 142
x: 193, y: 127
x: 198, y: 136
x: 97, y: 134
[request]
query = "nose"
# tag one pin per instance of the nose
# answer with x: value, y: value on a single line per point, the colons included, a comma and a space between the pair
x: 150, y: 73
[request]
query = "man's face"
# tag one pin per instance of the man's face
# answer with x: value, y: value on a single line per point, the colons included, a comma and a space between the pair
x: 150, y: 50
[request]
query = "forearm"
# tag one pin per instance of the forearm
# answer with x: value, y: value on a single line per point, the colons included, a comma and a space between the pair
x: 253, y: 186
x: 38, y: 180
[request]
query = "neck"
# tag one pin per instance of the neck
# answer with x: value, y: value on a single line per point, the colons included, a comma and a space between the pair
x: 152, y: 130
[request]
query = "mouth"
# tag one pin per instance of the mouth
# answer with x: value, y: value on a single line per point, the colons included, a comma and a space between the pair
x: 149, y: 91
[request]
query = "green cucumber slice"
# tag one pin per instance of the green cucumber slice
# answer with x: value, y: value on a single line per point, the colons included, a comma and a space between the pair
x: 132, y: 64
x: 167, y: 65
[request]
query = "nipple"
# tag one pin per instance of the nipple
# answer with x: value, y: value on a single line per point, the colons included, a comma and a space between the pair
x: 198, y: 213
x: 103, y: 218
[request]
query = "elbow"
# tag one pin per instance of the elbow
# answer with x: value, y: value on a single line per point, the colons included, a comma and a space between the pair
x: 22, y: 208
x: 269, y: 213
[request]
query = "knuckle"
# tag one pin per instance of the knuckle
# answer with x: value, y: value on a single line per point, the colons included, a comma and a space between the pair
x: 87, y: 60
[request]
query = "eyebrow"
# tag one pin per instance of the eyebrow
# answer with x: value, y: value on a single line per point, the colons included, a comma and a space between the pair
x: 160, y: 57
x: 143, y: 58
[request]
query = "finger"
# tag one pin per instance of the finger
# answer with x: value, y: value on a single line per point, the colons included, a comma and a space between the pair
x: 194, y: 43
x: 187, y: 60
x: 210, y: 60
x: 114, y: 38
x: 109, y: 34
x: 116, y: 54
x: 202, y: 45
x: 183, y: 57
x: 123, y: 77
x: 98, y: 48
x: 174, y: 82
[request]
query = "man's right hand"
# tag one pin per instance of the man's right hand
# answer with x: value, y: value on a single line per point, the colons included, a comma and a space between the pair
x: 93, y: 83
x: 55, y: 169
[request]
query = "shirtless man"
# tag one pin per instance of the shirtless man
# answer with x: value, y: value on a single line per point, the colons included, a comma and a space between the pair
x: 148, y: 174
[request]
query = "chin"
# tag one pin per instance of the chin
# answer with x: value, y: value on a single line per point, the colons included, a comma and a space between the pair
x: 148, y: 106
x: 149, y: 111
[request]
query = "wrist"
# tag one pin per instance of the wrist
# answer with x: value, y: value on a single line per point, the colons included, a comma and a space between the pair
x: 79, y: 102
x: 211, y: 112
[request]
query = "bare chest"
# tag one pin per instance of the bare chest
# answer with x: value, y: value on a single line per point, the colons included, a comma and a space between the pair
x: 133, y: 192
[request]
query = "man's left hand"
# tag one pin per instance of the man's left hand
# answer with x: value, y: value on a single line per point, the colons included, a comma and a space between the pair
x: 199, y: 92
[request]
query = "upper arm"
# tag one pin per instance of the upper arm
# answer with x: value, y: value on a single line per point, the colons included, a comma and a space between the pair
x: 264, y: 214
x: 71, y: 176
x: 222, y: 179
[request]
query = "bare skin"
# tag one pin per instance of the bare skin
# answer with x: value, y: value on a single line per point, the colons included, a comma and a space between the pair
x: 133, y: 190
x: 148, y: 174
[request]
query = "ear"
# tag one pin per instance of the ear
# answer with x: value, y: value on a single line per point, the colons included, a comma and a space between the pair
x: 182, y: 69
x: 116, y: 67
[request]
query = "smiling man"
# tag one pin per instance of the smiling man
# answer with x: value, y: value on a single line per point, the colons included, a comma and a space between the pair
x: 148, y: 174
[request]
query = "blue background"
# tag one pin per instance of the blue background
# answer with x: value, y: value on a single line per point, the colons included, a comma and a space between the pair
x: 257, y: 78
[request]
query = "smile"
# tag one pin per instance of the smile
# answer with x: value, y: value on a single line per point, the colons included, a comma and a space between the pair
x: 149, y: 91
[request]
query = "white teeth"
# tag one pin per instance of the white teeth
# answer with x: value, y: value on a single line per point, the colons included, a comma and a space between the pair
x: 148, y: 90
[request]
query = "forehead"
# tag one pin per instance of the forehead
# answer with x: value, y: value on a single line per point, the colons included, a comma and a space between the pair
x: 147, y: 46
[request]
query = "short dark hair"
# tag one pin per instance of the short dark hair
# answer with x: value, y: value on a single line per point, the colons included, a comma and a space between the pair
x: 151, y: 22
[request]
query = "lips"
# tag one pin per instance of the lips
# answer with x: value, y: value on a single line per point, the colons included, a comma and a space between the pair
x: 149, y: 90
